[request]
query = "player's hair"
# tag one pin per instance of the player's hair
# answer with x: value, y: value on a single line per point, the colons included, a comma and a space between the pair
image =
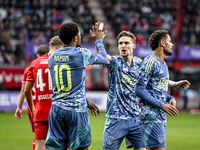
x: 127, y: 33
x: 67, y: 32
x: 156, y: 37
x: 55, y: 42
x: 42, y: 50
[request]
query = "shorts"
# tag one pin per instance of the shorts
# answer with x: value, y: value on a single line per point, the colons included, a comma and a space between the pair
x: 115, y: 130
x: 68, y: 129
x: 154, y: 134
x: 41, y: 128
x: 31, y: 122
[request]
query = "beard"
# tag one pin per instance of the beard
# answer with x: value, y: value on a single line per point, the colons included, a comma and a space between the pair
x: 169, y: 54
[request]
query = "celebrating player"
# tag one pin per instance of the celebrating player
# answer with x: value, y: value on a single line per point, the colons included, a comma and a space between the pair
x: 152, y: 88
x: 69, y: 124
x: 122, y: 103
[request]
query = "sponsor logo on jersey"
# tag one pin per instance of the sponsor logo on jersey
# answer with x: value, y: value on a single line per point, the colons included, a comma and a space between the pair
x: 163, y: 81
x: 46, y: 96
x: 44, y: 61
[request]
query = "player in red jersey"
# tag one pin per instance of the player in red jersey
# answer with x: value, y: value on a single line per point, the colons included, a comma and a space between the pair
x: 39, y: 77
x: 42, y: 50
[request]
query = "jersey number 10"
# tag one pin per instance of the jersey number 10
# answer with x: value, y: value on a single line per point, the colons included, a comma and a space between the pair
x: 59, y: 77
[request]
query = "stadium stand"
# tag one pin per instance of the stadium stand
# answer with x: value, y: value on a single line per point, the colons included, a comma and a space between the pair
x: 140, y: 17
x: 36, y: 21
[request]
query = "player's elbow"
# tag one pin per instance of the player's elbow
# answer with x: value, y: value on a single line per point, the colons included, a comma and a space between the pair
x: 105, y: 60
x: 139, y: 90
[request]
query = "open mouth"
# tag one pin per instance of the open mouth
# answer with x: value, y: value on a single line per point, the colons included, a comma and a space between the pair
x: 123, y: 50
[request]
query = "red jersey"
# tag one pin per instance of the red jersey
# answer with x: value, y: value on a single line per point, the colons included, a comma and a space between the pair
x: 33, y: 90
x: 40, y: 75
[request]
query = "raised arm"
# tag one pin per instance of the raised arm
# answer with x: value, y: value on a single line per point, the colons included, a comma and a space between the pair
x: 98, y: 36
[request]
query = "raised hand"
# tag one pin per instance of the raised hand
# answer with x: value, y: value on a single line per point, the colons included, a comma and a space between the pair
x: 96, y: 33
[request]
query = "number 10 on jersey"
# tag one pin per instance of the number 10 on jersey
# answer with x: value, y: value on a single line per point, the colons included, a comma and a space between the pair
x: 60, y: 76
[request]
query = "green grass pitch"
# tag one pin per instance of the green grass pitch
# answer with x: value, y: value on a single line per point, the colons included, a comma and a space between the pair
x: 183, y: 132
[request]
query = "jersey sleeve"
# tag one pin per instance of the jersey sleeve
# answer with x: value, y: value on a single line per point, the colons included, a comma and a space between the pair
x: 145, y: 72
x: 93, y: 58
x: 169, y: 97
x: 102, y: 55
x: 25, y: 75
x: 112, y: 64
x: 30, y: 76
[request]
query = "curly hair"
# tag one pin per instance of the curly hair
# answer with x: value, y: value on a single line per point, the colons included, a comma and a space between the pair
x: 156, y: 37
x: 67, y: 32
x: 127, y: 33
x: 42, y: 50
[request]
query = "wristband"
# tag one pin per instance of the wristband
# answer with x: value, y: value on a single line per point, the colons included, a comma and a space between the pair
x: 171, y: 83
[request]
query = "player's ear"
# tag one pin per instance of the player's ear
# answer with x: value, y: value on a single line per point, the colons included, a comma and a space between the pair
x: 75, y: 39
x: 134, y: 46
x: 162, y: 43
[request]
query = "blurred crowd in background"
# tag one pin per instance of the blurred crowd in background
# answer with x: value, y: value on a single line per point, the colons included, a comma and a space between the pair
x: 180, y: 17
x: 36, y: 21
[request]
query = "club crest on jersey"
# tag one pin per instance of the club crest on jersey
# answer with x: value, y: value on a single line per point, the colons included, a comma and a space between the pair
x: 145, y: 77
x: 110, y: 140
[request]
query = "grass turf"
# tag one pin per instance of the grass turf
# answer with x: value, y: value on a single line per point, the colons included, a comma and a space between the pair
x: 183, y: 132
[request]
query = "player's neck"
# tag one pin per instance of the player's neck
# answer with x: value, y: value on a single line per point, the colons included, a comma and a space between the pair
x: 128, y: 60
x: 70, y: 45
x: 159, y: 54
x: 52, y: 50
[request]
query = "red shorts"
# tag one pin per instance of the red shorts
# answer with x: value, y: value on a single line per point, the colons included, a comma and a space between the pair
x: 41, y: 128
x: 31, y: 122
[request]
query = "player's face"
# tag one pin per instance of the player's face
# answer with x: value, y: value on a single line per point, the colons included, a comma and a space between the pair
x: 168, y: 46
x: 126, y: 46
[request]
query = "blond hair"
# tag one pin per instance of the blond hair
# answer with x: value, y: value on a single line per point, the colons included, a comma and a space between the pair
x: 55, y: 42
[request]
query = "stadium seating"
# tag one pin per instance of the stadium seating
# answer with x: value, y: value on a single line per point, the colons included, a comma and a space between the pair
x: 36, y: 21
